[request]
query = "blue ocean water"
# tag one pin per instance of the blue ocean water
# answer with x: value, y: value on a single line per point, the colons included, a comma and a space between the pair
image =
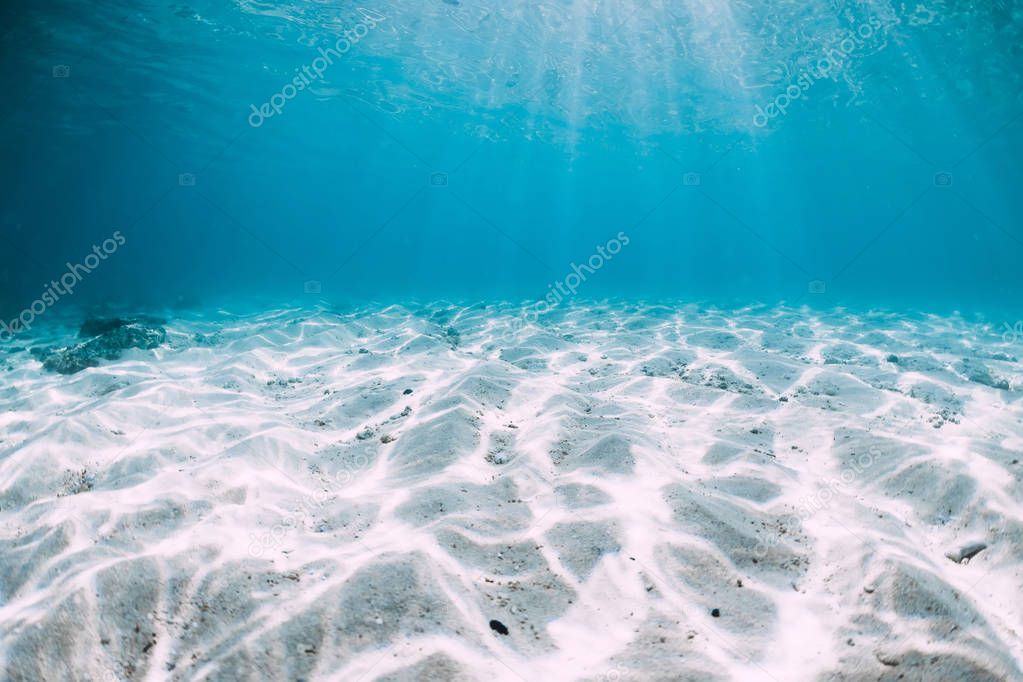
x: 556, y: 340
x: 823, y: 153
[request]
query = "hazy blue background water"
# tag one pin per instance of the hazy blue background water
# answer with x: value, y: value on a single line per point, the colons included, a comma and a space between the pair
x: 556, y: 124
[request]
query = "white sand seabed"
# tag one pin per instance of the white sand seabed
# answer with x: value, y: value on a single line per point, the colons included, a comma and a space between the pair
x: 316, y: 495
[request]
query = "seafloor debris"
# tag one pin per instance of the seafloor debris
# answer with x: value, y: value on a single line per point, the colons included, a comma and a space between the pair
x: 107, y: 340
x: 966, y: 552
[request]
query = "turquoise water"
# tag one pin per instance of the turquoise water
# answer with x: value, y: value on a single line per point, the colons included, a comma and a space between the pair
x: 822, y: 153
x: 598, y: 340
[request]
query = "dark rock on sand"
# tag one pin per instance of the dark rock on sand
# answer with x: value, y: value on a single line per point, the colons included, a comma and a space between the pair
x: 109, y: 339
x: 498, y: 627
x: 979, y: 373
x: 966, y: 552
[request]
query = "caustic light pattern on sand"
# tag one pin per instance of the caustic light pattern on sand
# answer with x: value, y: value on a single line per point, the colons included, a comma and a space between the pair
x: 612, y: 492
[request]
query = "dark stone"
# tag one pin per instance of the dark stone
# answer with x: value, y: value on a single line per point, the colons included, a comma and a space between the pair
x: 967, y: 552
x: 407, y: 391
x: 119, y: 335
x: 981, y: 374
x: 498, y: 627
x: 716, y: 613
x: 98, y: 326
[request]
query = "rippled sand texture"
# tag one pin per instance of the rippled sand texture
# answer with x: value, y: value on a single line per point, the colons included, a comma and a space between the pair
x: 634, y: 493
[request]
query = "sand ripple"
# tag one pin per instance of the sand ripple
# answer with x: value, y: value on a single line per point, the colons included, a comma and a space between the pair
x: 443, y: 493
